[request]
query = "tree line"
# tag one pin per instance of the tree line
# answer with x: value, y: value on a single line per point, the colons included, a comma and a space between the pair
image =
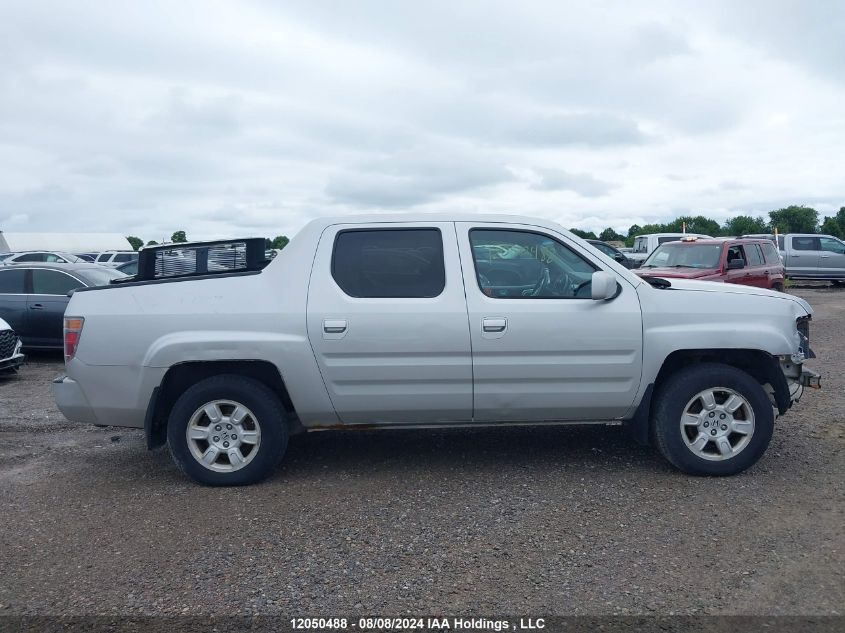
x: 792, y: 219
x: 180, y: 237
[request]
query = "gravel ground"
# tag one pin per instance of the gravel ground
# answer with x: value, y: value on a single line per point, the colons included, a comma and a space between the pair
x: 541, y: 521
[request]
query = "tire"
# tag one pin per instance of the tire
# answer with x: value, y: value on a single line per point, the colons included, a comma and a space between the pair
x: 777, y: 287
x: 241, y: 406
x: 694, y: 441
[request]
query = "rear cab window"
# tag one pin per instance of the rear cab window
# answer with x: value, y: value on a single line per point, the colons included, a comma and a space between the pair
x: 770, y: 254
x: 389, y: 263
x: 753, y: 255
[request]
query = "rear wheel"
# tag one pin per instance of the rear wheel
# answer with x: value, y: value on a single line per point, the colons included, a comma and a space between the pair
x: 227, y: 431
x: 712, y: 419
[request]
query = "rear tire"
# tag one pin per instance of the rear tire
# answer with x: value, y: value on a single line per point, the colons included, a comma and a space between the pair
x: 712, y: 419
x: 227, y: 430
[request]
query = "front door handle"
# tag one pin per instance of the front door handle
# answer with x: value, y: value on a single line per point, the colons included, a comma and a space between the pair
x: 494, y: 324
x: 334, y: 326
x: 36, y: 306
x: 824, y: 256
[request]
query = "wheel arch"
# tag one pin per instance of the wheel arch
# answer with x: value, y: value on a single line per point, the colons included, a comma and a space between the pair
x: 760, y: 365
x: 181, y: 376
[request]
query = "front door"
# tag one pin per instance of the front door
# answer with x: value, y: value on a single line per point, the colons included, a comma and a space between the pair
x: 387, y: 321
x: 831, y: 258
x: 542, y: 348
x: 13, y: 308
x: 803, y: 258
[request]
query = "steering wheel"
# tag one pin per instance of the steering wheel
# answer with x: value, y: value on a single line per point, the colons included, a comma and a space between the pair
x: 578, y: 287
x: 543, y: 282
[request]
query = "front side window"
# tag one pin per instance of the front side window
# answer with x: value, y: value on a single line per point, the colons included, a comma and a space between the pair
x: 104, y: 257
x: 641, y: 245
x: 53, y: 282
x: 831, y: 245
x: 12, y: 281
x: 526, y: 265
x: 389, y: 263
x: 125, y: 257
x: 805, y: 243
x: 736, y: 253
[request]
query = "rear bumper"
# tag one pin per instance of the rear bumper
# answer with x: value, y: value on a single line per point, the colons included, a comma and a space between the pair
x: 13, y: 362
x: 72, y: 401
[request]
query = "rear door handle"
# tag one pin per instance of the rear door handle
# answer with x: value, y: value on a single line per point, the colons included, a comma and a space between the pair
x: 824, y: 256
x: 334, y: 326
x: 494, y: 324
x: 36, y: 306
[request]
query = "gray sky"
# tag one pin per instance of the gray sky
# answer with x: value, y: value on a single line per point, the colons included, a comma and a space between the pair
x: 231, y: 118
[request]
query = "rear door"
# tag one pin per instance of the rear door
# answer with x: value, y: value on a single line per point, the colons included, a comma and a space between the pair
x: 387, y: 321
x: 542, y: 348
x: 46, y: 305
x: 803, y: 257
x: 831, y: 257
x: 13, y: 308
x: 756, y: 266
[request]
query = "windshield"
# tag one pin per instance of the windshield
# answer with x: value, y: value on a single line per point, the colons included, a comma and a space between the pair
x: 684, y: 255
x: 97, y: 277
x: 4, y: 256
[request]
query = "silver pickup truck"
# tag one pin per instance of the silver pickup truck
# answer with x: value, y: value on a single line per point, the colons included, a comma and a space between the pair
x: 419, y: 321
x: 810, y: 256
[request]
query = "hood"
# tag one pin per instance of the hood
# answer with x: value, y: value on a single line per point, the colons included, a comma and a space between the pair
x: 677, y: 273
x: 733, y: 289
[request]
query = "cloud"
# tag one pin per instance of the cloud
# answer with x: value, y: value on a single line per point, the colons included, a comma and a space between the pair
x: 583, y: 184
x: 230, y: 118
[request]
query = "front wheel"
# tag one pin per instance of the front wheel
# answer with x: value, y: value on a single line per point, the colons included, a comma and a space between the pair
x: 712, y: 419
x: 227, y: 430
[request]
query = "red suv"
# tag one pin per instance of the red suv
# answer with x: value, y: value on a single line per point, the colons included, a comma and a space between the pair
x: 734, y: 261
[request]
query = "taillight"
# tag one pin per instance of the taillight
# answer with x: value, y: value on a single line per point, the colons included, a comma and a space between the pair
x: 73, y: 330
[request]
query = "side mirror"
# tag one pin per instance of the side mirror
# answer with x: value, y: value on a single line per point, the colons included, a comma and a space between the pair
x: 736, y: 264
x: 619, y: 257
x: 603, y: 285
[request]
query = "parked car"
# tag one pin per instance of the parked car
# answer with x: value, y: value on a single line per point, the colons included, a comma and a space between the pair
x: 644, y: 245
x: 10, y: 348
x: 612, y: 252
x: 113, y: 259
x: 88, y: 257
x: 809, y: 256
x: 129, y: 268
x: 382, y: 321
x: 33, y: 298
x: 49, y: 257
x: 734, y: 261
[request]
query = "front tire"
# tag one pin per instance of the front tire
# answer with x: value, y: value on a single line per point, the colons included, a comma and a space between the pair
x: 227, y: 430
x: 712, y: 419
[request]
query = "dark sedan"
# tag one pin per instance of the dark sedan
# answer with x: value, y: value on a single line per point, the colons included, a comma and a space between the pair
x: 614, y: 253
x: 33, y: 298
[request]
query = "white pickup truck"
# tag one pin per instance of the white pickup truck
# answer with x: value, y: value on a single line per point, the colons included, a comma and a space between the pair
x: 419, y: 321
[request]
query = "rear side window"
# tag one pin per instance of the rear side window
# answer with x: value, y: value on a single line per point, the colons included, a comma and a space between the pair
x: 805, y: 243
x: 53, y: 282
x: 755, y: 257
x: 12, y: 281
x: 104, y: 257
x: 770, y: 253
x: 125, y: 257
x: 31, y: 257
x: 389, y: 263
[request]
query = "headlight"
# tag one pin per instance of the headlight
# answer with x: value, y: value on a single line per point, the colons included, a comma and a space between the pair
x: 803, y: 326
